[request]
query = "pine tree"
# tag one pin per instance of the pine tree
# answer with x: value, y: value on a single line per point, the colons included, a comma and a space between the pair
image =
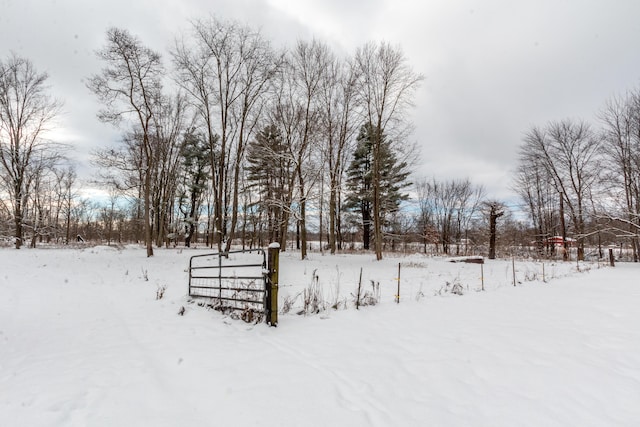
x: 196, y: 170
x: 270, y: 171
x: 393, y: 179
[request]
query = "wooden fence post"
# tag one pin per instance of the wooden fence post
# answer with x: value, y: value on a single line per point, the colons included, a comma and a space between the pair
x: 273, y: 266
x: 612, y: 261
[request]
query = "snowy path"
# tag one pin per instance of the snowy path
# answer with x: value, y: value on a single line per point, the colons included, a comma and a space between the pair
x: 76, y: 354
x: 92, y: 347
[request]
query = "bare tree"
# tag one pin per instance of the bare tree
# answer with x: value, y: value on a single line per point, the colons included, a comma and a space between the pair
x: 259, y: 64
x: 37, y: 207
x: 337, y: 105
x: 535, y: 187
x: 121, y: 169
x: 468, y: 206
x: 308, y: 62
x: 26, y: 113
x: 569, y: 151
x: 621, y: 119
x: 449, y: 206
x: 108, y: 215
x: 495, y: 210
x: 130, y: 85
x: 168, y: 139
x: 385, y: 91
x: 67, y: 187
x: 226, y: 69
x: 425, y: 216
x: 286, y: 116
x: 51, y: 197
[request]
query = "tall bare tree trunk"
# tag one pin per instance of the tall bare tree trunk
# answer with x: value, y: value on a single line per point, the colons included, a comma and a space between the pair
x: 147, y: 212
x: 565, y: 246
x: 494, y: 213
x: 17, y: 216
x: 332, y: 216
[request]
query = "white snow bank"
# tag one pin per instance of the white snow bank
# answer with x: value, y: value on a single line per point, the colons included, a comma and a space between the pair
x: 84, y: 342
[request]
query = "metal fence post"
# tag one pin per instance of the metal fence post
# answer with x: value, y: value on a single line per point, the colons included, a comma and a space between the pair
x: 398, y: 294
x: 273, y: 265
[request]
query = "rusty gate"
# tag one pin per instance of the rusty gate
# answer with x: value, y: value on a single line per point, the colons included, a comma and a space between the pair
x: 234, y: 281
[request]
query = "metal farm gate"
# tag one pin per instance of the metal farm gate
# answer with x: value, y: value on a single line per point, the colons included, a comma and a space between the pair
x: 237, y: 281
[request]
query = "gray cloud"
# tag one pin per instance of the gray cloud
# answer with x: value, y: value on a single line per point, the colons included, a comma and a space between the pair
x: 492, y: 68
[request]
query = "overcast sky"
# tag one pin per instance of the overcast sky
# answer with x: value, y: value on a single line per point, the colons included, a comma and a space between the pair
x: 493, y: 68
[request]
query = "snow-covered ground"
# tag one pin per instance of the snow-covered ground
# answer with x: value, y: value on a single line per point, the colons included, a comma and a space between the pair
x: 85, y: 342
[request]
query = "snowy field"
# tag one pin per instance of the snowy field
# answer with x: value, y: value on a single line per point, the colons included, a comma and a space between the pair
x: 85, y: 342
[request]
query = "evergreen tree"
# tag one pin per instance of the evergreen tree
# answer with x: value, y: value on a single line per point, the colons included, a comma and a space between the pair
x: 195, y: 177
x: 270, y: 171
x: 393, y: 179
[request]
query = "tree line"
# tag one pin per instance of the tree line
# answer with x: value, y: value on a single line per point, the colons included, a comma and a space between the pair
x: 249, y: 118
x: 228, y: 140
x: 581, y: 181
x: 232, y: 141
x: 234, y: 138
